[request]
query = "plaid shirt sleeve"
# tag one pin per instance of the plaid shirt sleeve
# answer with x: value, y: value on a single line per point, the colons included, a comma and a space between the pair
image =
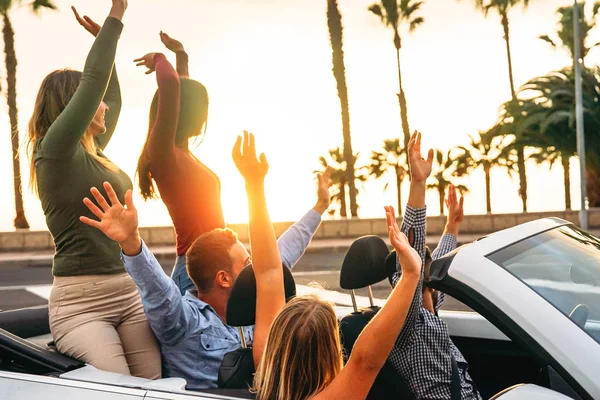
x: 414, y: 224
x: 447, y: 243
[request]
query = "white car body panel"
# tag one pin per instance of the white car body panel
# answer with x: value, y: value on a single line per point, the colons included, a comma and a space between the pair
x: 34, y: 387
x: 526, y: 392
x: 570, y: 346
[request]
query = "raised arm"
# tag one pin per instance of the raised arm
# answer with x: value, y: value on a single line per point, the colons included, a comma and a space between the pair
x: 266, y: 262
x: 168, y: 314
x: 66, y: 131
x: 162, y: 135
x: 112, y: 98
x: 448, y: 241
x: 296, y: 239
x: 414, y: 226
x: 415, y: 218
x: 182, y: 57
x: 377, y: 339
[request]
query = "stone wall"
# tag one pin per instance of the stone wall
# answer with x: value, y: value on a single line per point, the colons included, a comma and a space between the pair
x: 473, y: 224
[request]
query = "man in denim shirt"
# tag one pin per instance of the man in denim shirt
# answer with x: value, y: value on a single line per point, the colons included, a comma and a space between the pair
x: 191, y: 329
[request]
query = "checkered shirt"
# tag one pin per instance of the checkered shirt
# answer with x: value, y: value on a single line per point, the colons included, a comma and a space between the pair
x: 422, y: 351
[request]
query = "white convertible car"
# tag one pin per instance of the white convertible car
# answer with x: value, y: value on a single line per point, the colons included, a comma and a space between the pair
x: 535, y: 332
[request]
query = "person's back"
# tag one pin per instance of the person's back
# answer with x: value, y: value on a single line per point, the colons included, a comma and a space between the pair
x: 189, y: 189
x: 95, y: 313
x: 302, y: 356
x: 62, y: 183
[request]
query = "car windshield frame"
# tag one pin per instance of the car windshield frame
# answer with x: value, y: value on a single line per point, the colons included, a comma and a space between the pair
x: 581, y: 246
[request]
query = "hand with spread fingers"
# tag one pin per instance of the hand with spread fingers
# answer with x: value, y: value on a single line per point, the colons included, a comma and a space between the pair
x: 409, y: 258
x: 456, y: 212
x: 253, y: 169
x: 323, y: 194
x: 117, y: 222
x: 170, y: 43
x: 420, y: 168
x: 146, y: 61
x: 88, y: 24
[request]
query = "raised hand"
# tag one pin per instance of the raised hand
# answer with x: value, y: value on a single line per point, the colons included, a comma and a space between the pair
x: 118, y: 9
x: 170, y: 43
x: 87, y: 23
x: 146, y: 61
x: 409, y: 258
x: 456, y: 212
x: 324, y: 197
x: 420, y: 168
x: 115, y: 221
x: 250, y: 167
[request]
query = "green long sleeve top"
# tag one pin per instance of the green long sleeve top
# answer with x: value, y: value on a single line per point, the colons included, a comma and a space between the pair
x: 66, y: 172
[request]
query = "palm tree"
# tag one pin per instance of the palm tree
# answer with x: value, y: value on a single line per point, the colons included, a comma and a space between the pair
x: 339, y: 179
x: 565, y: 34
x: 483, y: 151
x: 334, y: 22
x: 391, y: 157
x: 502, y: 7
x: 445, y: 166
x: 392, y: 13
x: 11, y: 96
x: 547, y: 119
x: 513, y: 153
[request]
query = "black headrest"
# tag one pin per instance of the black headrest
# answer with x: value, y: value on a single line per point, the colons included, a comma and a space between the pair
x: 364, y: 263
x: 241, y: 306
x: 390, y: 265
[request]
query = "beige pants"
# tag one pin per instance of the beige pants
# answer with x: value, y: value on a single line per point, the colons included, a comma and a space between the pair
x: 99, y: 319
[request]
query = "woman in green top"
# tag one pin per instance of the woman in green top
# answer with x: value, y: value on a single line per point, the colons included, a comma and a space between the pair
x: 96, y: 313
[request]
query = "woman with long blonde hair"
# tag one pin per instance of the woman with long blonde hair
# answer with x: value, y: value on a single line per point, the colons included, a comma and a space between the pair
x: 296, y: 345
x: 95, y: 310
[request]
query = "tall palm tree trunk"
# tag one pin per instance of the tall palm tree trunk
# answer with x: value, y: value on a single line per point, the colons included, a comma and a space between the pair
x: 334, y: 21
x: 567, y: 180
x: 593, y: 186
x: 521, y: 149
x: 343, y: 206
x: 11, y: 96
x: 399, y: 176
x: 442, y: 193
x: 401, y: 96
x: 504, y: 20
x: 488, y: 188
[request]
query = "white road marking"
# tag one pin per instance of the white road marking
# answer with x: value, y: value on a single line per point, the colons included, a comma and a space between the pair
x: 42, y: 291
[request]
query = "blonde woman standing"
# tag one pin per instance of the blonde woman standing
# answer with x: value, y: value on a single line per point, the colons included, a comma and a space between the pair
x: 95, y: 310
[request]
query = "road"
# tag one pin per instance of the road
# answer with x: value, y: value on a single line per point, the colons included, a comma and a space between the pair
x: 26, y: 286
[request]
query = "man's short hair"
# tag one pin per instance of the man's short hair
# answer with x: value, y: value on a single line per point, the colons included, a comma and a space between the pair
x: 208, y: 255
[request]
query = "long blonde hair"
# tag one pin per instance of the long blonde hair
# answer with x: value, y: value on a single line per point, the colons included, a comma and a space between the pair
x: 303, y: 353
x: 55, y: 92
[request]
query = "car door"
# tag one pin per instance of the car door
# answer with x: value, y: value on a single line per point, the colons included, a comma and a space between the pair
x: 34, y: 387
x: 515, y: 301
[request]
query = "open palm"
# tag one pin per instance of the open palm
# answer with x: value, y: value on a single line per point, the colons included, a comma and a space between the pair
x: 409, y: 258
x: 420, y: 168
x: 116, y: 222
x: 252, y: 168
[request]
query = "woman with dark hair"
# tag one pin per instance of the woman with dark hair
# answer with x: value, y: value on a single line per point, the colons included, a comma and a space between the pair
x: 96, y: 313
x: 189, y: 189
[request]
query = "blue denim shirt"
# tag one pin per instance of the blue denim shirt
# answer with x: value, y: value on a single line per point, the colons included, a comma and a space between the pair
x: 192, y: 336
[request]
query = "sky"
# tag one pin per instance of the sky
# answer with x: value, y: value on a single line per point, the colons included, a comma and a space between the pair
x: 267, y: 67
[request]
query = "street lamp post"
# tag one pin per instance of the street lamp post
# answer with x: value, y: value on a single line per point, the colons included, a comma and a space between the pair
x: 583, y: 214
